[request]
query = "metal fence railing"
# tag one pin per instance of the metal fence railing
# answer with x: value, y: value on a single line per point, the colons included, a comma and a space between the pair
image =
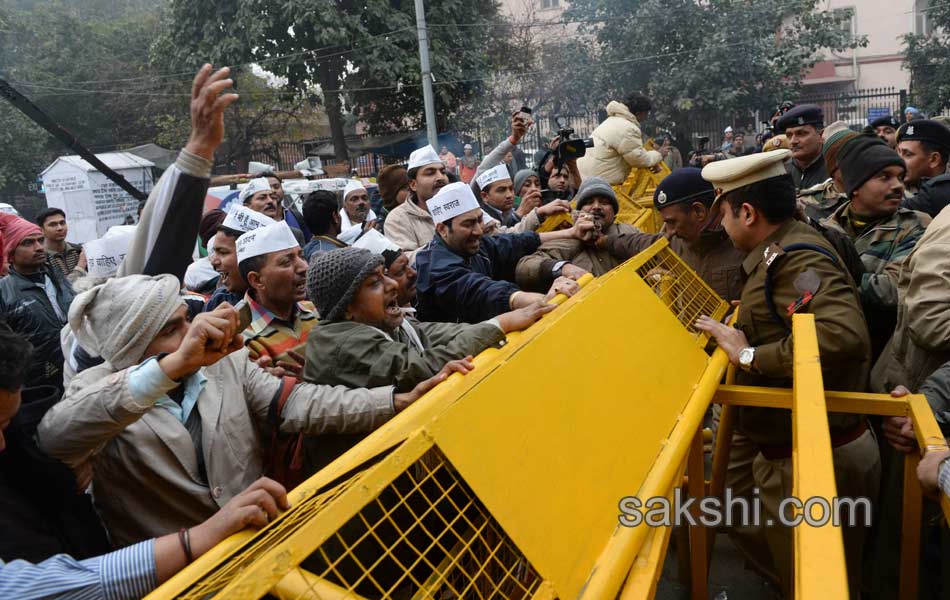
x: 856, y: 107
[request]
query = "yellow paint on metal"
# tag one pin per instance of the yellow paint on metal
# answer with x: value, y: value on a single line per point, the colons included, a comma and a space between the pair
x: 645, y: 573
x: 929, y: 436
x: 842, y: 402
x: 542, y: 442
x: 820, y: 569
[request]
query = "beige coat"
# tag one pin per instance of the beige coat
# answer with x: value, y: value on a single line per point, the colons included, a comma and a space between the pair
x: 618, y: 146
x: 534, y: 271
x: 146, y: 481
x: 410, y: 227
x: 921, y: 341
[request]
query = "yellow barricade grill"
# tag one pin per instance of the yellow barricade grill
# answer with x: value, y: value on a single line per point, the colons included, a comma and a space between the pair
x: 505, y: 483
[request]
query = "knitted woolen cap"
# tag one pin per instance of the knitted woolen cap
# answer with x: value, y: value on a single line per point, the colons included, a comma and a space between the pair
x: 862, y: 157
x: 832, y: 147
x: 595, y: 186
x: 334, y: 277
x: 521, y: 177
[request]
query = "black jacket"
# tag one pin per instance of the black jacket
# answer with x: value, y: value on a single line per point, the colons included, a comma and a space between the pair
x: 26, y: 308
x: 934, y: 194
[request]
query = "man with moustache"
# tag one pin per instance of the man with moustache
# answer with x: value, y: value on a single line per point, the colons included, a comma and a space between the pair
x: 271, y: 262
x: 409, y: 225
x: 924, y: 145
x: 34, y: 298
x: 573, y: 258
x: 356, y: 214
x: 884, y: 234
x: 802, y: 125
x: 231, y: 286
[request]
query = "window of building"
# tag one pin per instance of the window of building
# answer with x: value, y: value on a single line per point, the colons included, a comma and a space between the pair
x: 922, y: 22
x: 550, y: 4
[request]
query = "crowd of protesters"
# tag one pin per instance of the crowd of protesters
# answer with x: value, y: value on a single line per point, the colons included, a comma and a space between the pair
x: 144, y: 389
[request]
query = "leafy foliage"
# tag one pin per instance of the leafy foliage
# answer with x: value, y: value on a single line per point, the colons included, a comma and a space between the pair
x: 363, y: 55
x: 928, y: 58
x: 699, y: 58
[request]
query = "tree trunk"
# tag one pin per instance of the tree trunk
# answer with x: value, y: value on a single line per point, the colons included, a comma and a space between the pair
x: 329, y: 72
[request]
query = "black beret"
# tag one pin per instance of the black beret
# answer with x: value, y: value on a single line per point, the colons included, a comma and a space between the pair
x: 683, y: 185
x: 925, y: 130
x: 803, y: 114
x: 885, y: 121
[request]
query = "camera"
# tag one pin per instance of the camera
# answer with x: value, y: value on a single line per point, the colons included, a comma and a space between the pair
x: 552, y: 195
x: 569, y: 147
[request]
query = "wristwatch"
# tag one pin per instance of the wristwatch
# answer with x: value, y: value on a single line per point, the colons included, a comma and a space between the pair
x: 557, y: 268
x: 746, y: 358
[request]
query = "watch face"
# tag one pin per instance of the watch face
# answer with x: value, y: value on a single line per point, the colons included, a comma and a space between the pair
x: 746, y: 356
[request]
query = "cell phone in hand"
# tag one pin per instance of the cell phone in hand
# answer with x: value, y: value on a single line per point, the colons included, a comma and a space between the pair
x: 552, y: 195
x: 244, y: 315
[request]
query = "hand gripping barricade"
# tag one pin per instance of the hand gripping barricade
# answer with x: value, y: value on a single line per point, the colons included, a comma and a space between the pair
x: 505, y: 483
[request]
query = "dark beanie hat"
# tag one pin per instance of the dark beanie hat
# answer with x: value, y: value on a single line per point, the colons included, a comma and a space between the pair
x: 209, y: 224
x: 334, y: 277
x: 862, y: 157
x: 391, y: 179
x: 595, y: 186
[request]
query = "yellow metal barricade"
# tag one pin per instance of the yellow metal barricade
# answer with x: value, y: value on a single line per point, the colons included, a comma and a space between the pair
x: 505, y: 483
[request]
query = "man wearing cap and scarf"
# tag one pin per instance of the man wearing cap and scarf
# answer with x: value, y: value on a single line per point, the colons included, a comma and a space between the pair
x: 884, y: 234
x: 886, y: 128
x: 34, y: 298
x: 498, y: 200
x: 238, y: 221
x: 819, y: 201
x: 175, y: 420
x: 409, y: 225
x: 924, y: 144
x: 802, y: 125
x: 683, y: 199
x: 356, y: 214
x: 272, y: 264
x: 465, y: 276
x: 573, y: 258
x: 756, y: 198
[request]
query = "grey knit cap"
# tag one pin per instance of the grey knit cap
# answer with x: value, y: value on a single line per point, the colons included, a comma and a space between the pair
x: 334, y: 277
x: 522, y: 176
x: 595, y: 186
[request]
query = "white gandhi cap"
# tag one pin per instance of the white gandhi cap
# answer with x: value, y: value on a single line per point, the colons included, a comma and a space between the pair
x: 452, y: 200
x: 264, y: 240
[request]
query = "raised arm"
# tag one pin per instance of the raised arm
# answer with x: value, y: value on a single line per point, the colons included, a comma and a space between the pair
x: 173, y: 211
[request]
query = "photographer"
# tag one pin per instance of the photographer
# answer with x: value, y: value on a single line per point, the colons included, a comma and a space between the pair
x: 703, y: 155
x: 618, y: 142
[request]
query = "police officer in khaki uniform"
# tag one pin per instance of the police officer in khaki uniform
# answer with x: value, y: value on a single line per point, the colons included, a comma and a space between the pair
x: 791, y: 269
x: 683, y: 199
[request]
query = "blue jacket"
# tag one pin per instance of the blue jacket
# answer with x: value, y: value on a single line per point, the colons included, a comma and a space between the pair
x: 454, y: 288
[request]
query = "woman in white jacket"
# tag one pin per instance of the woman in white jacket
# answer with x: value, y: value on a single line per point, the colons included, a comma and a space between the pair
x: 618, y: 143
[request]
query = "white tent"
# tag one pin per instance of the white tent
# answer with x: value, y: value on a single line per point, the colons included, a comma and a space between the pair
x: 91, y: 201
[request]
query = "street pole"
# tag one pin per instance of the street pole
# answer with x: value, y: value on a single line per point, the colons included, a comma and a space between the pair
x: 428, y: 98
